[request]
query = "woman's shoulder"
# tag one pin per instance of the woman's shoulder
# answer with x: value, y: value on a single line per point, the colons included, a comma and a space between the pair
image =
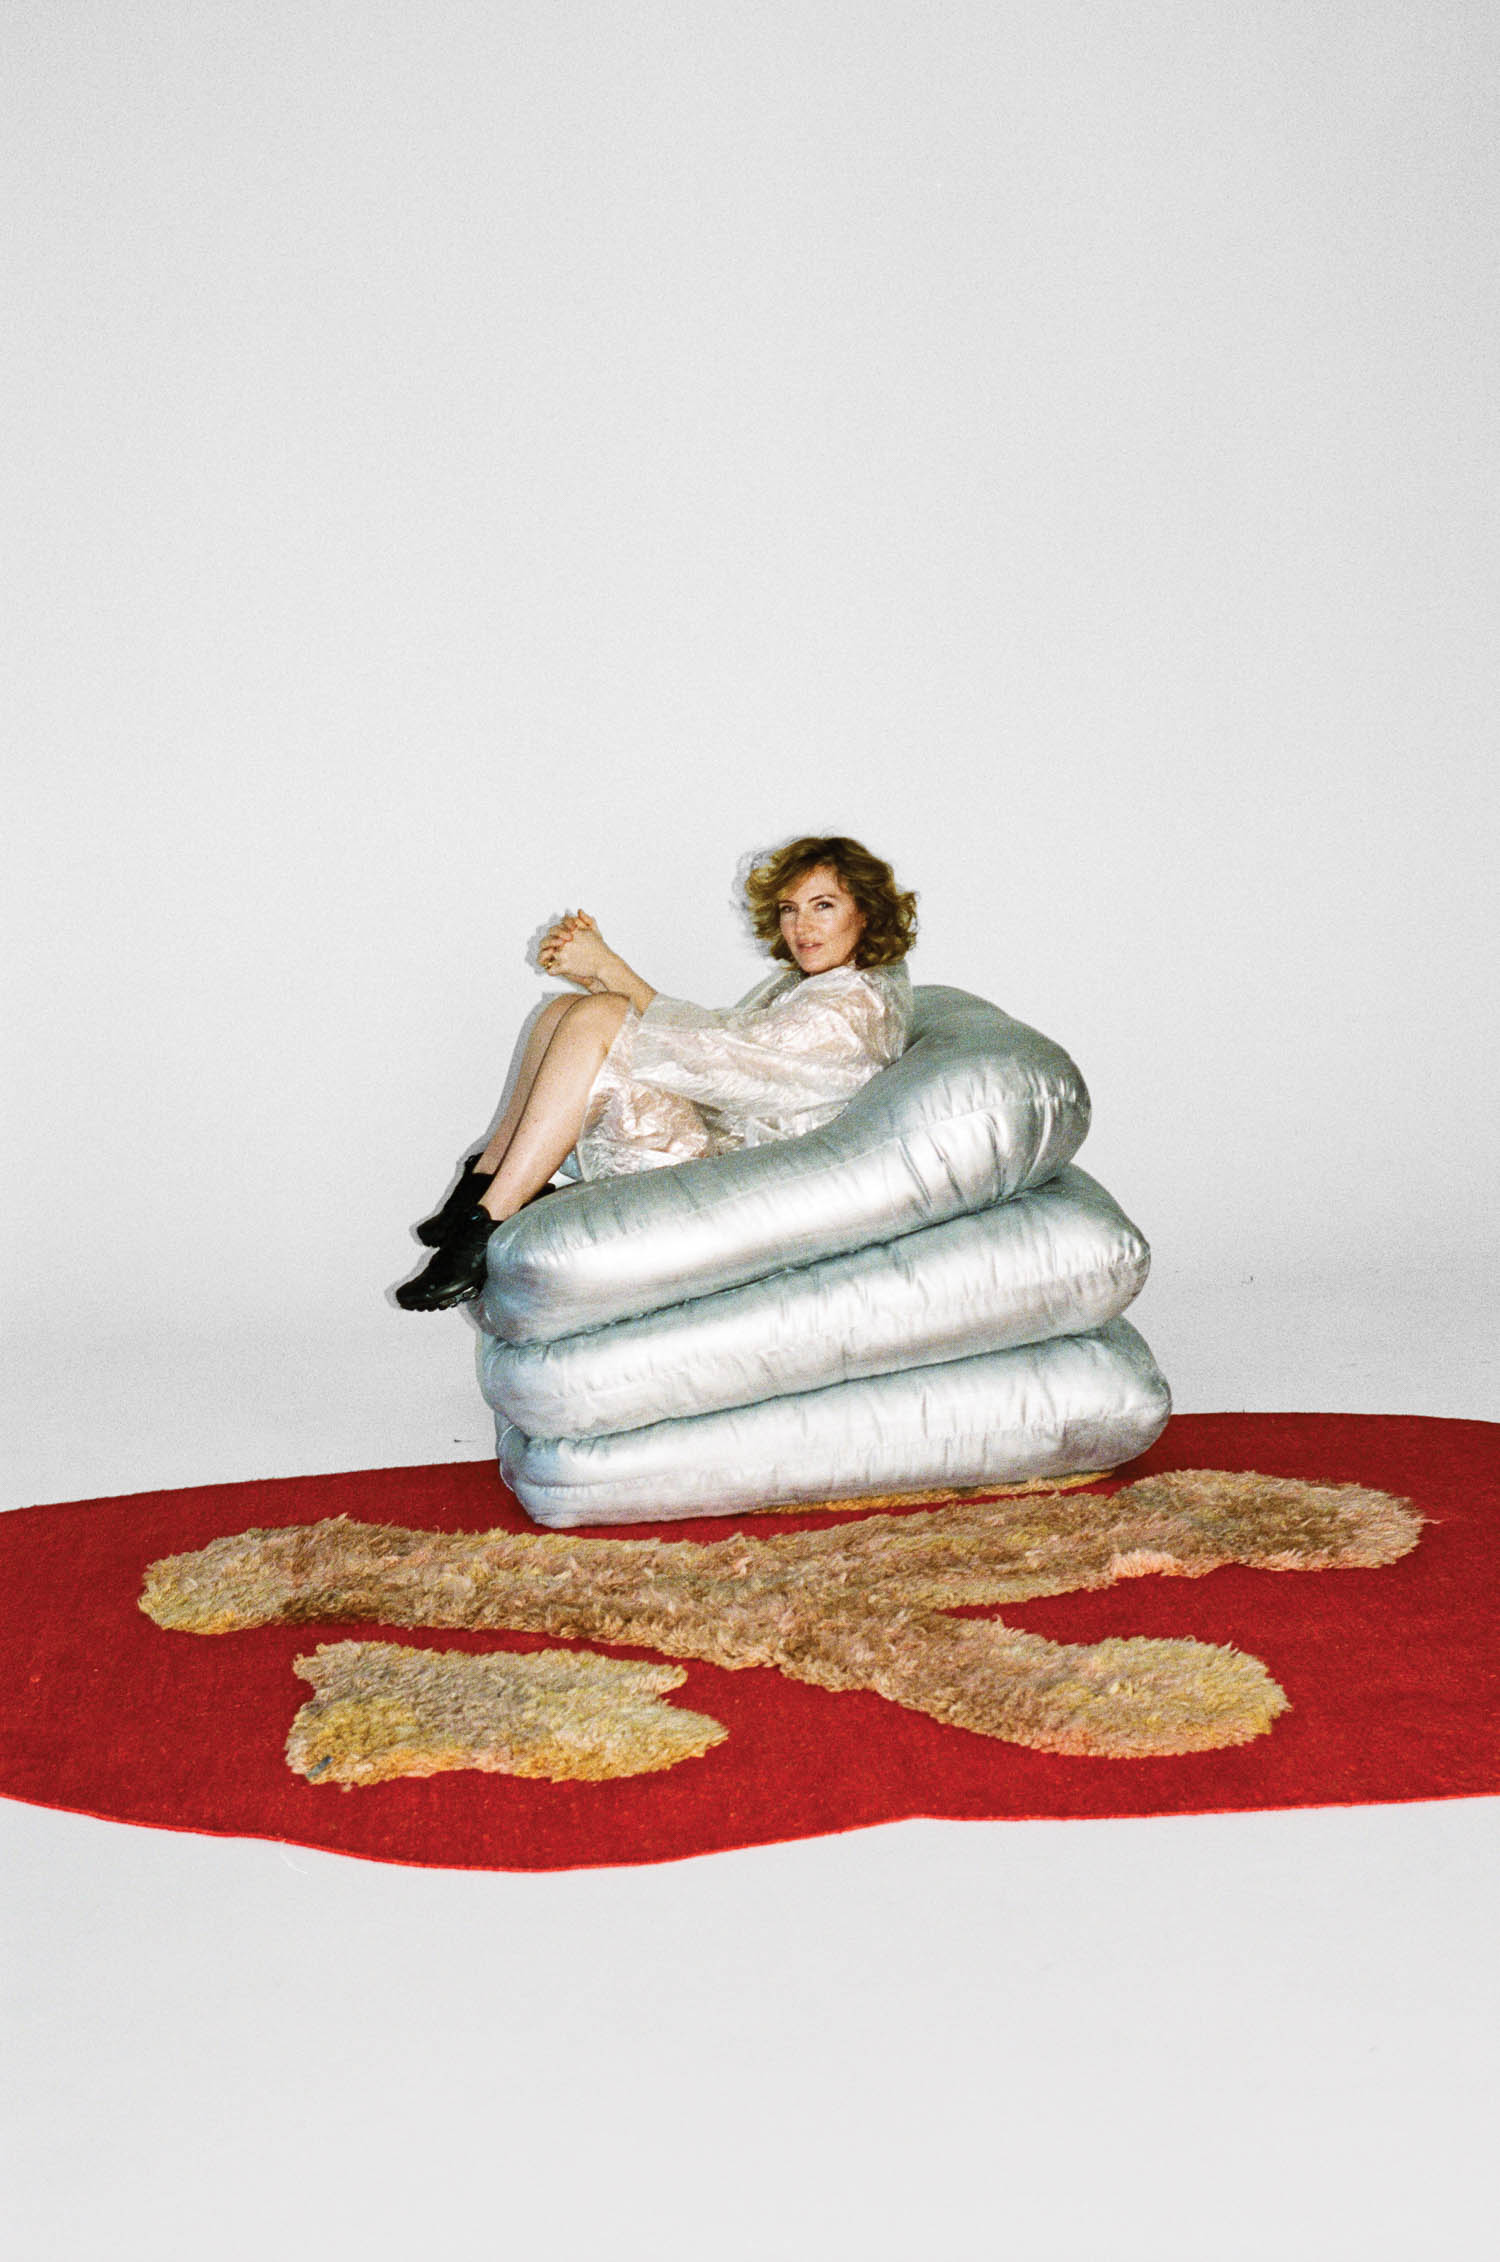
x: 894, y: 977
x: 876, y: 1001
x: 784, y: 982
x: 890, y: 985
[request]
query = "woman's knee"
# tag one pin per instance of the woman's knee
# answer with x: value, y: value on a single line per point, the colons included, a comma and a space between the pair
x: 602, y: 1013
x: 595, y: 1021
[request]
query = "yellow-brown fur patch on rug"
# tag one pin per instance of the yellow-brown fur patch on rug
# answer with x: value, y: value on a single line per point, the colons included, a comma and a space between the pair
x: 381, y: 1711
x: 854, y: 1606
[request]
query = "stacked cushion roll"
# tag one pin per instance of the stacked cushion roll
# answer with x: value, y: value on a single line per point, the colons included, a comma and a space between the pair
x: 925, y: 1294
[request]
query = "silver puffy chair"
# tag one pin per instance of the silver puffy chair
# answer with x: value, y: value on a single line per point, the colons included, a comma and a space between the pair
x: 924, y: 1296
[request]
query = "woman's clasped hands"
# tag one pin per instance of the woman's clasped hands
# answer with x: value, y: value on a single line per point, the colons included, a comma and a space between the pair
x: 575, y: 950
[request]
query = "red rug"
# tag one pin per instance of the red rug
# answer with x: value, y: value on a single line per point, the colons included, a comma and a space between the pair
x: 1392, y: 1676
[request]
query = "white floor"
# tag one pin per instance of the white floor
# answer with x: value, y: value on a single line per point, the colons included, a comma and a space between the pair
x: 1260, y: 2036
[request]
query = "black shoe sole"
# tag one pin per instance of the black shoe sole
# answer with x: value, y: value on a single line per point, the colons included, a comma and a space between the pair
x: 440, y: 1303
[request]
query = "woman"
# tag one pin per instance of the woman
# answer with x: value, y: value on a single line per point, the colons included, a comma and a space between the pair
x: 626, y: 1079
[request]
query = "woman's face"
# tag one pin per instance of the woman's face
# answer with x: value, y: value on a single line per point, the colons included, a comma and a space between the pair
x: 820, y: 922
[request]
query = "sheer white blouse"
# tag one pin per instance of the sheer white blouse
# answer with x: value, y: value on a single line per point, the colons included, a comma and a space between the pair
x: 681, y: 1081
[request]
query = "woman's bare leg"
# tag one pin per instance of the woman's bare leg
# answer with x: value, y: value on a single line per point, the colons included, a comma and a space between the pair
x: 563, y: 1055
x: 543, y: 1030
x: 551, y: 1115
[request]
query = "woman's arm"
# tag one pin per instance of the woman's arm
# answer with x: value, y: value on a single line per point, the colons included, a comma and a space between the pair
x: 577, y: 951
x: 809, y: 1047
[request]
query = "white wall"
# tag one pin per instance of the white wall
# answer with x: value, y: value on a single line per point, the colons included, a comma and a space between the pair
x: 469, y: 459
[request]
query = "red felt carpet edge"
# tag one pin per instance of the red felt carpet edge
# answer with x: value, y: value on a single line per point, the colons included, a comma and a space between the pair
x: 1391, y: 1674
x: 711, y: 1853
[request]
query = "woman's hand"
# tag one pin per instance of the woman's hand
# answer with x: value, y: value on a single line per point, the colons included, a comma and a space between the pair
x: 576, y: 950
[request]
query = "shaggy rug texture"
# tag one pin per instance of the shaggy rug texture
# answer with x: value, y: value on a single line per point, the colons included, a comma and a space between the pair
x: 382, y: 1711
x: 492, y: 1696
x: 862, y: 1606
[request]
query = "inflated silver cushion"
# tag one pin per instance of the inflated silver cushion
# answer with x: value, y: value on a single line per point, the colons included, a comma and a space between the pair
x: 977, y: 1108
x: 1053, y: 1261
x: 1079, y: 1402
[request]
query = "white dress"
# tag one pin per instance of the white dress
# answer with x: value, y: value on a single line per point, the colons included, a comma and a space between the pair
x: 682, y: 1081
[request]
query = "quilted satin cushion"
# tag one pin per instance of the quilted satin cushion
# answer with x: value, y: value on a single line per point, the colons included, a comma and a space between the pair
x: 1057, y: 1260
x: 978, y: 1108
x: 1079, y: 1402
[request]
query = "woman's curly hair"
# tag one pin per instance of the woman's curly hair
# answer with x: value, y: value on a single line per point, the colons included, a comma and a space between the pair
x: 890, y: 913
